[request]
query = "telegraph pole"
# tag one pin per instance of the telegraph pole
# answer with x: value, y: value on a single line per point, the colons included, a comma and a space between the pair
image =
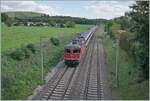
x: 41, y: 58
x: 117, y: 62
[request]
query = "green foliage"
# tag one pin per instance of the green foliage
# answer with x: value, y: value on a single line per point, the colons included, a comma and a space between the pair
x: 129, y: 86
x: 7, y: 20
x: 38, y: 17
x: 52, y: 23
x: 70, y: 24
x: 15, y: 36
x: 55, y: 41
x: 24, y: 14
x: 4, y: 17
x: 140, y: 17
x: 24, y: 52
x: 124, y: 22
x: 61, y: 25
x: 124, y: 41
x: 27, y: 52
x: 20, y: 78
x: 31, y: 47
x: 136, y: 43
x: 112, y: 27
x: 18, y: 54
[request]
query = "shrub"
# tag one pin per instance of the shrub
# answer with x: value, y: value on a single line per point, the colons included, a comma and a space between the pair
x: 18, y: 54
x: 24, y: 52
x: 31, y: 47
x: 55, y: 41
x: 70, y: 24
x: 27, y: 52
x: 124, y: 43
x: 62, y: 25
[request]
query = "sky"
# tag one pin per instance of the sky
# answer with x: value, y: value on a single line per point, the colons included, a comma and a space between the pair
x: 87, y: 9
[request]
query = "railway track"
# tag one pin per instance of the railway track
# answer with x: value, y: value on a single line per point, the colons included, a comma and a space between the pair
x: 81, y: 83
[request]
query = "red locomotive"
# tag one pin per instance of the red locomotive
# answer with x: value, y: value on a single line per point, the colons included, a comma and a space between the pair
x: 75, y: 49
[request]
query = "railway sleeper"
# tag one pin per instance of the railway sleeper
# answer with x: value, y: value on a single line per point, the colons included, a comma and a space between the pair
x: 56, y: 94
x: 55, y: 98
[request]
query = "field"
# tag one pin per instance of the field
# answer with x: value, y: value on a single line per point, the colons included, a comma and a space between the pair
x: 20, y: 78
x: 13, y: 37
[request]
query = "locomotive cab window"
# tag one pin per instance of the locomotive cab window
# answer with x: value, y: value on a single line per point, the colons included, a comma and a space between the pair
x: 75, y: 41
x: 68, y: 51
x: 76, y: 51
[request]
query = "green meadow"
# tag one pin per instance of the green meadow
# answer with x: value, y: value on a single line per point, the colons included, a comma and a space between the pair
x: 20, y: 78
x: 16, y: 36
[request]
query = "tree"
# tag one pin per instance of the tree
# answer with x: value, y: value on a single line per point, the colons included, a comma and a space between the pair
x: 9, y: 22
x: 70, y: 24
x: 52, y: 23
x: 140, y: 17
x: 6, y: 19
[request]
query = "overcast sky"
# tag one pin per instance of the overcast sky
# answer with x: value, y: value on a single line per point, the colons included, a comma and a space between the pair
x: 87, y: 9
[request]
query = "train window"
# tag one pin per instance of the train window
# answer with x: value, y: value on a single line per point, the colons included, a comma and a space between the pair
x: 68, y: 51
x: 74, y: 42
x: 76, y: 51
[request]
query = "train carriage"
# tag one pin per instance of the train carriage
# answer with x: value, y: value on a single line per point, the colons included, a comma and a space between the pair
x: 75, y: 50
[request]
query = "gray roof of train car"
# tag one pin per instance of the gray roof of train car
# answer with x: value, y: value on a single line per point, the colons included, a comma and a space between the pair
x: 76, y: 46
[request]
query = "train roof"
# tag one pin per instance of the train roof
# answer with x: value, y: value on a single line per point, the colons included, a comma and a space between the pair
x: 73, y: 46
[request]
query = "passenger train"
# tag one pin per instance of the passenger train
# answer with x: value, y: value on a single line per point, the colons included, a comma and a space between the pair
x: 77, y: 47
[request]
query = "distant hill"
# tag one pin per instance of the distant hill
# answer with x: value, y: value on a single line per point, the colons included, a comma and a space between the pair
x: 33, y: 16
x: 20, y: 14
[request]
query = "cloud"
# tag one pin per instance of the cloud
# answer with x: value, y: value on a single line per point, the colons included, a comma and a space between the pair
x: 27, y: 6
x: 108, y: 9
x: 88, y: 9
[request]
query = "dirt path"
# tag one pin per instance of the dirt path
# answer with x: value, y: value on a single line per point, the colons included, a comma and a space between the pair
x: 89, y: 80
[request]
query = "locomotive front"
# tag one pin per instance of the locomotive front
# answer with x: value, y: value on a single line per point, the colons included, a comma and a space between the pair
x: 72, y: 54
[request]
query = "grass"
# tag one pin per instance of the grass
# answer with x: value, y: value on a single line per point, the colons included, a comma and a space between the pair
x: 15, y: 36
x: 129, y: 87
x: 20, y: 78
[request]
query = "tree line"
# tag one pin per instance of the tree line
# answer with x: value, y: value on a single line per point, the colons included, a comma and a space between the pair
x: 135, y: 38
x: 61, y: 21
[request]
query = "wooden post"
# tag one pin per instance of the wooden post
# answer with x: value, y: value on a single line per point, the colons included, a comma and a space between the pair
x: 117, y: 62
x: 41, y: 56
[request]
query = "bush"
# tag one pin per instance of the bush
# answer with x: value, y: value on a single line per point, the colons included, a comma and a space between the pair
x: 52, y: 23
x: 70, y: 24
x: 55, y: 41
x: 62, y: 25
x: 18, y: 54
x: 31, y: 47
x: 24, y: 52
x: 124, y: 42
x: 27, y: 52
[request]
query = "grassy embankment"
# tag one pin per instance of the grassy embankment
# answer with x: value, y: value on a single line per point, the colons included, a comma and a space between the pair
x: 20, y: 78
x: 129, y: 87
